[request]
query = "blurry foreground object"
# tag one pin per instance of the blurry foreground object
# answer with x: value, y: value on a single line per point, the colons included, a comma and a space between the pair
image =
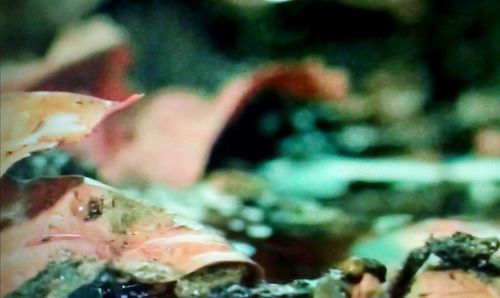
x: 27, y: 25
x: 41, y: 120
x: 90, y: 57
x: 169, y: 140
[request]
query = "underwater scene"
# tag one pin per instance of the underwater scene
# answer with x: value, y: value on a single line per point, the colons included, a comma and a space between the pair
x: 250, y: 149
